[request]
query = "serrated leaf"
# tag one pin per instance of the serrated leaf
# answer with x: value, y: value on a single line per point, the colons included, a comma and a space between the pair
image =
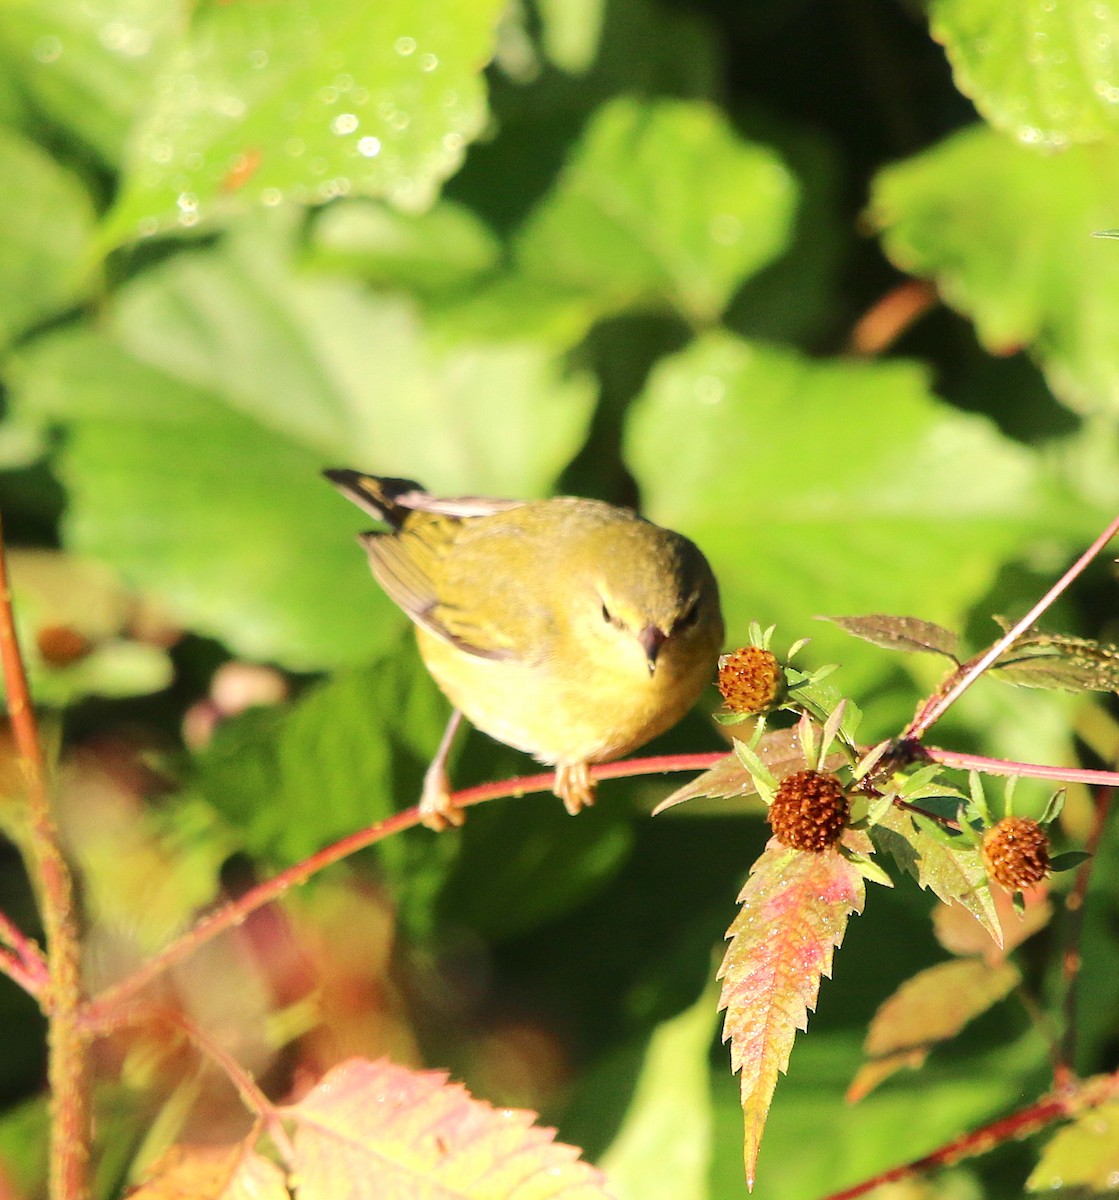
x: 931, y: 1007
x: 269, y: 102
x: 949, y: 871
x: 1084, y: 1154
x: 1013, y: 250
x: 794, y: 911
x: 901, y: 633
x: 620, y: 226
x: 378, y: 1131
x: 208, y: 1172
x: 1046, y: 71
x: 1054, y: 660
x: 780, y: 752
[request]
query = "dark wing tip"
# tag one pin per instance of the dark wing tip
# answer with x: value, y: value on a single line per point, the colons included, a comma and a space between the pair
x: 377, y: 495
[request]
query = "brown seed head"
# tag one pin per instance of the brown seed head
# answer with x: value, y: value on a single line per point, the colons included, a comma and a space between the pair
x: 61, y: 646
x: 810, y: 810
x: 751, y: 680
x: 1016, y: 853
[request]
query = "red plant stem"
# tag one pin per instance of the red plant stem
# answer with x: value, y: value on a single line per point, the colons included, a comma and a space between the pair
x: 1018, y: 1125
x: 12, y: 966
x: 26, y: 952
x: 104, y: 1011
x: 247, y: 1087
x: 939, y: 703
x: 1002, y: 766
x: 1065, y: 1069
x: 67, y: 1062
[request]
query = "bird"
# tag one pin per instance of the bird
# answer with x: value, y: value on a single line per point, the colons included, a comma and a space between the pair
x: 567, y: 628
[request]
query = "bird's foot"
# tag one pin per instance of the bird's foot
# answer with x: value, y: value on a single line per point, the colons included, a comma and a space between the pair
x: 574, y: 786
x: 437, y: 810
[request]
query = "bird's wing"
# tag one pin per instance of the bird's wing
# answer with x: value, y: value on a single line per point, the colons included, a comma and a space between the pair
x: 407, y: 563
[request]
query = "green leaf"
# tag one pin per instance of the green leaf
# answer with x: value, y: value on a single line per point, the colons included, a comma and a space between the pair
x: 47, y: 219
x: 949, y: 870
x: 199, y: 424
x: 442, y: 250
x: 817, y: 487
x: 90, y: 65
x: 901, y: 633
x: 662, y: 1150
x: 571, y: 31
x: 1053, y: 660
x: 931, y: 1007
x: 1082, y: 1154
x: 1046, y: 71
x: 623, y: 227
x: 269, y: 101
x: 1069, y: 860
x: 1014, y: 252
x: 794, y: 911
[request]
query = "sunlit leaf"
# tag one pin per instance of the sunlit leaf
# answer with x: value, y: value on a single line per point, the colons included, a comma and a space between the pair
x: 377, y: 1131
x: 662, y: 1150
x: 794, y: 911
x: 951, y: 872
x: 931, y: 1007
x: 901, y: 633
x: 621, y: 226
x: 1046, y: 71
x: 1053, y: 660
x: 1083, y: 1154
x: 1014, y: 252
x: 46, y: 216
x: 270, y: 101
x: 960, y: 933
x: 209, y: 1172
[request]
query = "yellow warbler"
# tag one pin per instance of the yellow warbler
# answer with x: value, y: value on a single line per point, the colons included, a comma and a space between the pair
x: 567, y: 628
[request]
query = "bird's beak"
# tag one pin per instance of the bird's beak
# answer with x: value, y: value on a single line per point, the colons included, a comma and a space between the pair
x: 652, y: 639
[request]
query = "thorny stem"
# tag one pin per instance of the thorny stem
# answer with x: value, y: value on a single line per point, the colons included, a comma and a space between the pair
x: 105, y: 1011
x: 940, y: 702
x: 1064, y: 1070
x: 67, y: 1063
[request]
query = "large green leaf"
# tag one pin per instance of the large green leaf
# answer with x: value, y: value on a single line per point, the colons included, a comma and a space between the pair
x: 1045, y: 70
x: 46, y: 218
x: 661, y: 203
x: 1006, y: 234
x: 830, y: 488
x: 89, y: 65
x: 281, y: 100
x: 199, y: 424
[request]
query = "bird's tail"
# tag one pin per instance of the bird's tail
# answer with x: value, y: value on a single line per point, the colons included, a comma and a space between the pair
x: 381, y: 496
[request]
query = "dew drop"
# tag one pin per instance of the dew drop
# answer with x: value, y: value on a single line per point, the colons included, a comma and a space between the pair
x: 187, y: 202
x: 47, y: 49
x: 359, y: 95
x: 344, y: 123
x: 194, y: 161
x: 147, y: 227
x: 187, y: 219
x: 328, y: 95
x: 295, y: 146
x: 271, y: 197
x: 452, y: 142
x: 162, y: 151
x: 317, y: 166
x: 709, y: 389
x: 399, y: 121
x: 405, y: 46
x: 258, y: 59
x: 343, y: 82
x: 370, y: 147
x: 428, y: 62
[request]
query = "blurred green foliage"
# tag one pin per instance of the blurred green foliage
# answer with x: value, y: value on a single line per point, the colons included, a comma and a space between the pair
x: 617, y: 247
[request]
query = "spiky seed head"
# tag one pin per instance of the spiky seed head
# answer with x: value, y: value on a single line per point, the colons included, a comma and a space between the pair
x: 809, y: 811
x: 751, y: 680
x: 1016, y: 853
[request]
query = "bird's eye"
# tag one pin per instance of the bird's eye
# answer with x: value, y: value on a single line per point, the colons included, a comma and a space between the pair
x: 689, y: 616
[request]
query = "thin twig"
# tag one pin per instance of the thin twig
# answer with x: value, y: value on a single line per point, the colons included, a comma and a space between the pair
x: 15, y: 969
x: 67, y: 1063
x: 1064, y: 1072
x: 26, y: 950
x: 104, y: 1011
x: 939, y: 703
x: 1003, y: 766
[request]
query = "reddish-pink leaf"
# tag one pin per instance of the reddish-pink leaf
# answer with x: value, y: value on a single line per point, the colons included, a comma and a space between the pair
x: 900, y: 633
x: 234, y: 1172
x: 929, y: 1008
x: 794, y: 911
x: 378, y: 1131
